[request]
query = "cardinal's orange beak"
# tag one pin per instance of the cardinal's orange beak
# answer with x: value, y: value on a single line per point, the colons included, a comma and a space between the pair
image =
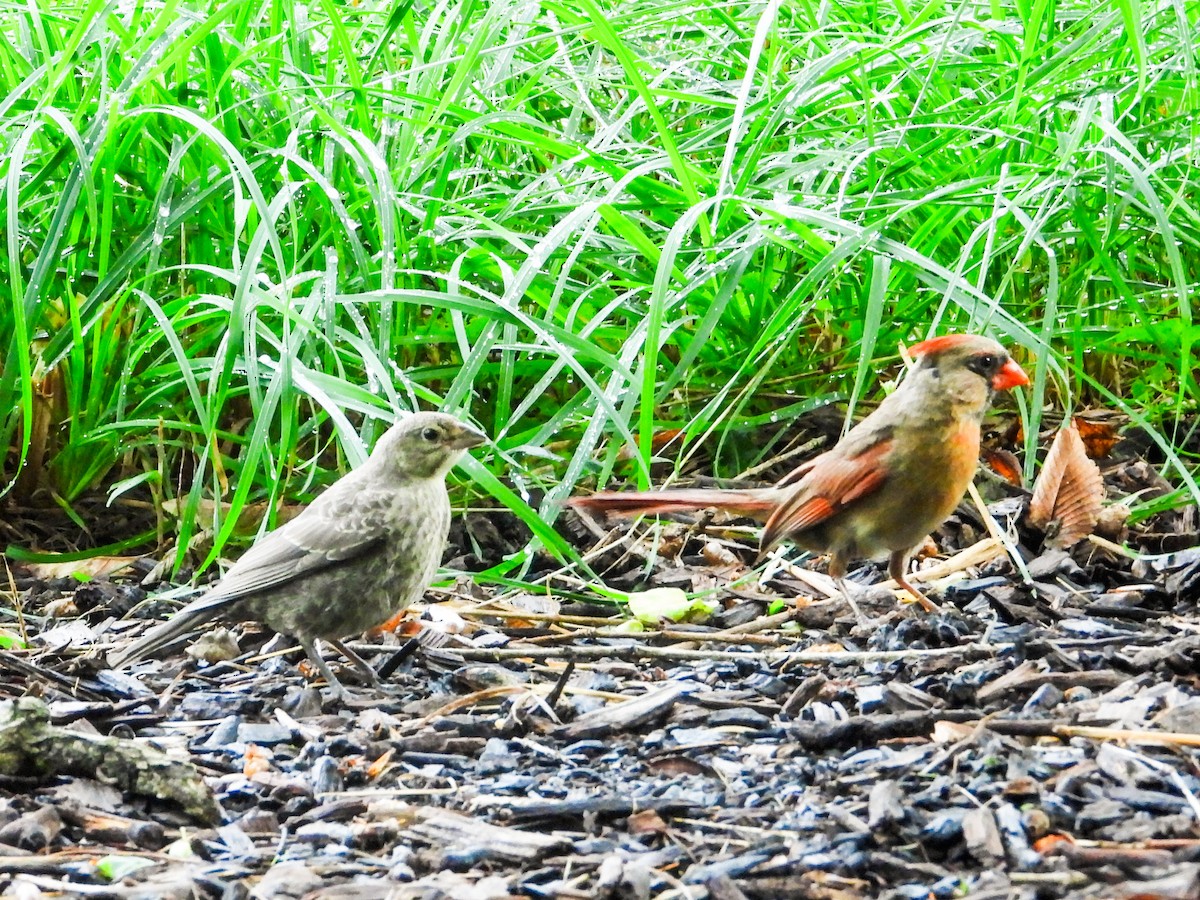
x: 1010, y: 376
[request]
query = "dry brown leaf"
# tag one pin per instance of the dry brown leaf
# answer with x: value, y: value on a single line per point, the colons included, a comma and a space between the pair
x: 658, y: 441
x: 380, y: 765
x: 951, y: 732
x: 256, y: 761
x: 1068, y: 493
x: 249, y: 518
x: 648, y: 821
x: 1098, y: 431
x: 719, y: 556
x: 1004, y: 464
x: 83, y: 569
x: 676, y: 765
x: 214, y: 646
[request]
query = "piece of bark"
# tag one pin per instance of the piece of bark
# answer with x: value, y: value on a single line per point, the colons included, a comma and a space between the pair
x: 526, y: 810
x: 871, y: 730
x: 982, y: 836
x: 110, y: 828
x: 450, y: 831
x: 625, y: 716
x: 885, y: 805
x: 33, y: 831
x: 721, y: 887
x: 1183, y: 884
x: 29, y: 744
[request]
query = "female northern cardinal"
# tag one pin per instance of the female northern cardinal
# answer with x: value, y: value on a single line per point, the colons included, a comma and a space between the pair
x: 891, y: 480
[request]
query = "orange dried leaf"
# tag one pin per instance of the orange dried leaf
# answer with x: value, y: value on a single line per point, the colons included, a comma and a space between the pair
x: 379, y: 766
x: 256, y: 761
x: 646, y: 822
x: 1004, y: 464
x: 392, y: 624
x: 658, y: 441
x: 1045, y: 844
x: 1099, y: 437
x: 1068, y: 493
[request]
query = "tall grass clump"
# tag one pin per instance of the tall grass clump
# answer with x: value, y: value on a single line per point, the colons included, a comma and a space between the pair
x: 240, y: 238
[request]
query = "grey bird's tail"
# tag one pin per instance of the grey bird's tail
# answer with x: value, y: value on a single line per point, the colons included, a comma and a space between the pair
x: 196, y: 613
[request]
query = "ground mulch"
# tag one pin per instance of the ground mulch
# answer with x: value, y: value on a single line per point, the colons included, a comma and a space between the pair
x: 1036, y: 739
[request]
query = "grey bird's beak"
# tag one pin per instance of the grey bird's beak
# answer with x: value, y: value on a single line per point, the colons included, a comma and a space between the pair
x: 467, y: 437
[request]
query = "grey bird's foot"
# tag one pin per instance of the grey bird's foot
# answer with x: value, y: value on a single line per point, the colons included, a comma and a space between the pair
x: 336, y: 688
x: 359, y: 663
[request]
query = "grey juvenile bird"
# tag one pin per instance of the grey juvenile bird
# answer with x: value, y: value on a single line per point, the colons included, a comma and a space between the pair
x: 364, y: 550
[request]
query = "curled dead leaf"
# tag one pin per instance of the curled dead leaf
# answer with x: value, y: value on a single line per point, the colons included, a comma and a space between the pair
x: 648, y: 821
x: 81, y: 569
x: 1050, y: 842
x: 719, y: 556
x: 217, y: 645
x: 658, y: 441
x: 1068, y: 493
x: 1112, y: 522
x: 1004, y: 464
x: 1099, y: 433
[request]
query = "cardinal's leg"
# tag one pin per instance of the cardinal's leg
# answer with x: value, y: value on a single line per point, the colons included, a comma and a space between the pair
x: 897, y: 564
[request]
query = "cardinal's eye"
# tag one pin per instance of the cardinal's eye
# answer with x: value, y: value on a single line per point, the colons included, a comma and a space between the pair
x: 984, y: 364
x: 431, y: 434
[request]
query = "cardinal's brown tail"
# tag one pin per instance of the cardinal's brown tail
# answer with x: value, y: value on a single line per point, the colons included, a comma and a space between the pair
x: 756, y: 503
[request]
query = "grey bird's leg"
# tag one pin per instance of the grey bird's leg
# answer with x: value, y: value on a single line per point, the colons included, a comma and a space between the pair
x: 359, y: 663
x: 335, y: 686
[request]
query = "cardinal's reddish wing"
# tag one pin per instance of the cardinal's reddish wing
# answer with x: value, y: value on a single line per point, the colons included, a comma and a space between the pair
x: 830, y: 484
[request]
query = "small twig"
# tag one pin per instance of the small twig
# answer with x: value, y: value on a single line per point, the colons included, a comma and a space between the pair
x: 556, y: 691
x: 386, y: 793
x: 1050, y: 728
x: 1113, y: 547
x: 775, y: 657
x: 975, y: 555
x: 816, y: 581
x: 995, y: 531
x: 1163, y: 738
x: 18, y: 606
x: 1170, y: 772
x: 805, y: 448
x: 539, y: 617
x: 715, y: 637
x: 1055, y: 879
x: 30, y: 670
x: 746, y: 633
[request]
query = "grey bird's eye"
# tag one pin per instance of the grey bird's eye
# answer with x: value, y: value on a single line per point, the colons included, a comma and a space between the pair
x: 431, y: 434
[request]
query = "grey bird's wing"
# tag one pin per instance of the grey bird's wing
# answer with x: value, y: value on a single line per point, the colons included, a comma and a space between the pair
x: 331, y: 531
x: 340, y: 526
